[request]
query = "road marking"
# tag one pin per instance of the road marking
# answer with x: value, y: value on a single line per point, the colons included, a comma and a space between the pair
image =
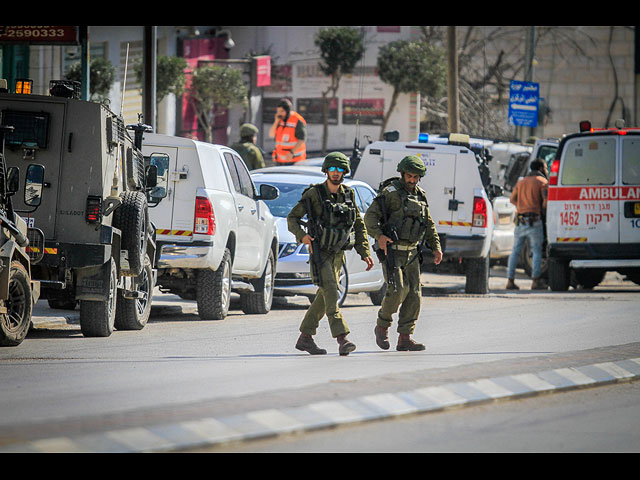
x: 215, y: 431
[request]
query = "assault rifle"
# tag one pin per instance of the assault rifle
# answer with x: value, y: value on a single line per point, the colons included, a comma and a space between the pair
x: 389, y: 258
x: 314, y: 230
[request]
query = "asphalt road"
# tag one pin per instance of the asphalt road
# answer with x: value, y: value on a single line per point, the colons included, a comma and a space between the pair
x: 182, y: 382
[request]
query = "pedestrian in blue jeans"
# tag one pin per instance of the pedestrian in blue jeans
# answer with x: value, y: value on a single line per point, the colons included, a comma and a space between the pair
x: 530, y: 198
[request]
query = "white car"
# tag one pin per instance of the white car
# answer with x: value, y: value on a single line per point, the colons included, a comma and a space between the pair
x: 215, y: 234
x: 293, y: 274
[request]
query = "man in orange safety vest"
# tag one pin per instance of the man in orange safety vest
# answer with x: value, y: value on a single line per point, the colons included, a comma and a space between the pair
x: 290, y: 132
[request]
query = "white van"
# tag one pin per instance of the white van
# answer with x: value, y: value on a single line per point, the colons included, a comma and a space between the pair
x: 458, y: 202
x: 593, y: 213
x: 214, y: 232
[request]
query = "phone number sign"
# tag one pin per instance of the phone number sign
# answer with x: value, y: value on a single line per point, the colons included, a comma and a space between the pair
x: 51, y: 35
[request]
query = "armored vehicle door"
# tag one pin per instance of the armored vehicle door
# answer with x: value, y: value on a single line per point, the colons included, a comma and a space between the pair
x: 37, y: 138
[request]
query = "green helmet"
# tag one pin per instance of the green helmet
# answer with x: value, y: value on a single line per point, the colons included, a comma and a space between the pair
x: 412, y: 164
x: 248, y: 130
x: 336, y: 159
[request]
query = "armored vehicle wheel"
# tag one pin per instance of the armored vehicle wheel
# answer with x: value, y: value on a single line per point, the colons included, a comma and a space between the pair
x: 261, y: 300
x: 14, y: 324
x: 97, y: 318
x: 132, y: 219
x: 133, y: 313
x: 213, y: 294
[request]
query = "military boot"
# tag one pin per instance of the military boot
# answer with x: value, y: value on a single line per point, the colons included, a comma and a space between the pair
x: 382, y: 337
x: 405, y: 343
x: 346, y: 346
x: 306, y: 344
x: 538, y: 284
x: 511, y: 285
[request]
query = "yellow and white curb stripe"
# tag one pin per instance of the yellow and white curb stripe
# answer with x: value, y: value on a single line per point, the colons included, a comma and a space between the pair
x: 272, y: 422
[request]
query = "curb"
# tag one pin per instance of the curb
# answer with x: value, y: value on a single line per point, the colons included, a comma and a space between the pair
x: 207, y: 432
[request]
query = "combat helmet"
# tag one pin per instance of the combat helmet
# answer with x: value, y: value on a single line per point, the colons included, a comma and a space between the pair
x: 412, y: 164
x: 248, y: 130
x: 336, y: 159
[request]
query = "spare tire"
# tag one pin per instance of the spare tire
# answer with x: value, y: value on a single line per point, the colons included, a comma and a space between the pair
x: 132, y: 219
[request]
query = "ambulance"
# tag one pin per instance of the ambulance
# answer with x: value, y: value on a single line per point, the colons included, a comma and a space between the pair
x: 593, y: 212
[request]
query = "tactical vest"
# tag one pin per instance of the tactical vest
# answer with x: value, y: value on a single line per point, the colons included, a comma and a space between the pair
x: 410, y: 222
x: 337, y: 221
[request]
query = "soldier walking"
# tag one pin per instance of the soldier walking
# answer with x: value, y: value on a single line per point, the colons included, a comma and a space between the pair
x: 399, y: 219
x: 333, y: 225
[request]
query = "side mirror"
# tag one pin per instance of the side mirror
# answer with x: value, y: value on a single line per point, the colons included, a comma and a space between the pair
x: 158, y: 176
x: 13, y: 180
x: 268, y: 192
x: 33, y: 185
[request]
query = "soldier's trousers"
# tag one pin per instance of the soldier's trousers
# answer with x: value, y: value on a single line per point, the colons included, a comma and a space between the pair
x: 326, y: 301
x: 407, y: 294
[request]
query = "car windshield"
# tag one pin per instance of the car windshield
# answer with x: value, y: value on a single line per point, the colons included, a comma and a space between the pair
x: 290, y: 193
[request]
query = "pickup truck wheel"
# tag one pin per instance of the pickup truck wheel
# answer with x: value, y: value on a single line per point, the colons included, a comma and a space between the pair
x: 213, y: 294
x: 14, y: 324
x: 97, y: 319
x: 261, y: 300
x: 559, y: 274
x: 343, y: 286
x: 133, y: 313
x: 477, y: 273
x: 131, y: 219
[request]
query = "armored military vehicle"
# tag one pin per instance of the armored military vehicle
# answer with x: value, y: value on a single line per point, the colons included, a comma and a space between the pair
x: 18, y: 292
x: 99, y: 245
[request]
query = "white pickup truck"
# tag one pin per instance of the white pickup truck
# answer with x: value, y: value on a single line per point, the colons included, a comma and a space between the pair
x: 214, y: 232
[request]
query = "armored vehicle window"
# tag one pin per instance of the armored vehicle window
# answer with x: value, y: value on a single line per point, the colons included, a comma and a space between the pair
x: 245, y: 179
x: 631, y: 161
x: 30, y: 128
x: 589, y: 161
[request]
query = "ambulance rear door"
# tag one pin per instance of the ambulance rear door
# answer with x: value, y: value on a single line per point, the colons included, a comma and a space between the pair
x: 629, y: 205
x: 583, y: 208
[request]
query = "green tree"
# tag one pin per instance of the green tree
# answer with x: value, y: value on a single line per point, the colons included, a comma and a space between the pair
x: 215, y: 86
x: 101, y: 77
x: 170, y: 76
x: 411, y: 67
x: 341, y: 49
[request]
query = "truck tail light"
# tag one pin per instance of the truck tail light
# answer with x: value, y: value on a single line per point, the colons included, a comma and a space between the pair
x: 479, y: 212
x: 205, y: 219
x: 553, y: 174
x: 94, y: 209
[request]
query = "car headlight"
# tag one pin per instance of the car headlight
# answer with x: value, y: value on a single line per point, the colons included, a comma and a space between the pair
x: 287, y: 249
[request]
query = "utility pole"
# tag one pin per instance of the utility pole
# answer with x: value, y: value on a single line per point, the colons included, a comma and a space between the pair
x: 149, y: 82
x: 452, y: 80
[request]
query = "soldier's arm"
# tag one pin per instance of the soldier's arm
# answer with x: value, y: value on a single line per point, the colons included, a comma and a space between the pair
x: 293, y: 220
x: 362, y: 237
x: 373, y: 218
x: 432, y: 238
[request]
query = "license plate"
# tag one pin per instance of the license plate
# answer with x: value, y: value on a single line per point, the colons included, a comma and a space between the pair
x: 636, y: 208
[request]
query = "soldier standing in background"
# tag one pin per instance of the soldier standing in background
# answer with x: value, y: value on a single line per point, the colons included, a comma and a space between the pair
x: 247, y: 147
x: 334, y: 224
x: 399, y: 219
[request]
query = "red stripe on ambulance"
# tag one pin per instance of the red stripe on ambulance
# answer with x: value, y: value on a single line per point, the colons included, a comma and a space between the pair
x: 594, y: 193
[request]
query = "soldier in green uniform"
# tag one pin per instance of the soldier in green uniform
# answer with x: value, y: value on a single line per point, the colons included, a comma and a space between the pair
x: 247, y: 147
x: 399, y: 219
x: 339, y: 227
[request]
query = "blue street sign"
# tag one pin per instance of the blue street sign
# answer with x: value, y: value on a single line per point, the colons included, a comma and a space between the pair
x: 523, y: 103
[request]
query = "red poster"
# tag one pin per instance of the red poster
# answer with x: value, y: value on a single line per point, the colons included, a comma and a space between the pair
x: 263, y: 71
